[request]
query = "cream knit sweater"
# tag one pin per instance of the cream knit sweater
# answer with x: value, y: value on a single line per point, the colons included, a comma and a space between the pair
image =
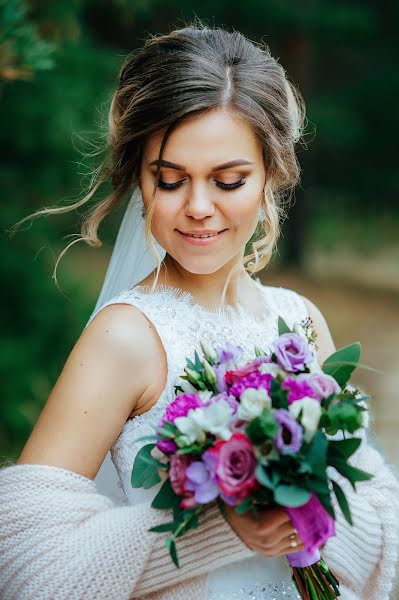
x: 60, y: 539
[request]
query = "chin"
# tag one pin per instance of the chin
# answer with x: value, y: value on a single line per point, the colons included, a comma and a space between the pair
x: 199, y: 267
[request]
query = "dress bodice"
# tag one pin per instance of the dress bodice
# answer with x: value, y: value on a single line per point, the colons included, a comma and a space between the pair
x: 181, y: 324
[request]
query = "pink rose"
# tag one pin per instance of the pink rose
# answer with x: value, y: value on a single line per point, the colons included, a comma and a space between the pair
x: 178, y: 479
x: 177, y: 472
x: 236, y: 374
x: 323, y: 385
x: 234, y: 465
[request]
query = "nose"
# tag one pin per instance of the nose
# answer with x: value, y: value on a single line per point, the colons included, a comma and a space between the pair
x: 199, y: 204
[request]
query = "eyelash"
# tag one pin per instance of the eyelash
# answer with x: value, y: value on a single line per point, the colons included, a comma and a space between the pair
x: 225, y: 186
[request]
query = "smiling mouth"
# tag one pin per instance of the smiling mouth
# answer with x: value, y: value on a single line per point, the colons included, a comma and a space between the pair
x: 201, y: 235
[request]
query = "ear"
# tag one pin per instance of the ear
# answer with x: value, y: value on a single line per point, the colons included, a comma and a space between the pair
x: 324, y: 339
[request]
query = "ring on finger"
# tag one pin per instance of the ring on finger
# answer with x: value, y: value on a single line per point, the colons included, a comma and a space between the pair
x: 293, y: 543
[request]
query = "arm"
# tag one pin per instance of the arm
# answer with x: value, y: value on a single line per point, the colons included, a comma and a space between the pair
x: 60, y: 538
x: 363, y: 556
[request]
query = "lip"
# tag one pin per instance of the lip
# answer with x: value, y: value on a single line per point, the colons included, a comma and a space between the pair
x: 201, y: 241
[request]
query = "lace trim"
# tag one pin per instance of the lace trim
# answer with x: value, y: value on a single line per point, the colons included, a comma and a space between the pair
x: 231, y: 313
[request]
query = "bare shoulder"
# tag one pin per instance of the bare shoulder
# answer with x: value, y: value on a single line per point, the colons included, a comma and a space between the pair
x: 324, y: 340
x: 107, y: 373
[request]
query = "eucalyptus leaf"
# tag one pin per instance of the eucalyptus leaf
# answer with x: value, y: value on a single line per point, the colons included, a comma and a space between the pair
x: 291, y: 495
x: 263, y: 477
x: 145, y: 469
x: 341, y: 363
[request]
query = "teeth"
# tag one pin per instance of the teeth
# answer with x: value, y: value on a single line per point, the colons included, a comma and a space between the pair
x: 205, y: 235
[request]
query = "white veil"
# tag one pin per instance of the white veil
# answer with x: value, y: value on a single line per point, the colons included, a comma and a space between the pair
x: 131, y: 261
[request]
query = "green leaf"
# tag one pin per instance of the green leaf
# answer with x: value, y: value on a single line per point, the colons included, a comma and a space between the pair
x: 325, y: 500
x: 316, y: 455
x: 145, y: 469
x: 346, y: 416
x: 345, y: 447
x: 351, y: 473
x: 198, y: 364
x: 341, y: 363
x: 278, y: 395
x: 163, y: 527
x: 291, y: 495
x: 282, y: 326
x: 342, y: 501
x: 166, y: 498
x: 171, y: 546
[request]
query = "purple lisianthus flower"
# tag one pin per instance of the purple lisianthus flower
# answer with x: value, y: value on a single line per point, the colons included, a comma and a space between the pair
x: 297, y: 389
x: 180, y: 407
x: 220, y: 371
x: 289, y: 434
x: 292, y: 352
x: 323, y: 385
x: 229, y: 353
x: 253, y: 380
x: 167, y: 446
x: 200, y: 479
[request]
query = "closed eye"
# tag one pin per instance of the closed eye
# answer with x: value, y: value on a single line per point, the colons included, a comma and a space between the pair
x: 224, y: 186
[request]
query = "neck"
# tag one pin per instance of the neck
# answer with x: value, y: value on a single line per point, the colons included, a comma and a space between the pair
x: 207, y: 289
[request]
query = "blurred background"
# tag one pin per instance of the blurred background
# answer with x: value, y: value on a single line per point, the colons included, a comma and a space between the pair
x: 340, y: 247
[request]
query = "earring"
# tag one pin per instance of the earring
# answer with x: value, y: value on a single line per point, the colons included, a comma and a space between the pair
x: 143, y: 213
x: 262, y: 214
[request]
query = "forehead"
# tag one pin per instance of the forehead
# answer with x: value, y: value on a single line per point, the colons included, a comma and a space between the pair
x: 206, y: 140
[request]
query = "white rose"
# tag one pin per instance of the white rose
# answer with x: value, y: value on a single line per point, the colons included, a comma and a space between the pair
x: 270, y: 368
x: 215, y: 418
x: 252, y: 402
x: 189, y: 427
x: 311, y: 413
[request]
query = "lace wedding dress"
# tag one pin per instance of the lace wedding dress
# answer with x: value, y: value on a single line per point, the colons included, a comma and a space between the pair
x: 181, y: 324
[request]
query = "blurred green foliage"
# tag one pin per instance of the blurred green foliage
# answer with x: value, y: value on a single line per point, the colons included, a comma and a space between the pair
x: 58, y: 66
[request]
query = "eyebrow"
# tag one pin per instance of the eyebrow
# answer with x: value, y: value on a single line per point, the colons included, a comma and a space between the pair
x: 228, y: 165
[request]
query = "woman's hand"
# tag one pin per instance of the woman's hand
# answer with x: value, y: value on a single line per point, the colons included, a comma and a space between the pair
x: 268, y: 531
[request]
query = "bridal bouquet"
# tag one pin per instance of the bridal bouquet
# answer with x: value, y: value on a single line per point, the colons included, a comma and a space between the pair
x: 253, y: 432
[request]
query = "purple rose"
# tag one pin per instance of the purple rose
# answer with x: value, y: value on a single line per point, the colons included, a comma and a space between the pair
x: 180, y: 407
x: 253, y: 380
x: 292, y: 352
x: 233, y: 462
x: 289, y: 434
x: 323, y: 385
x: 297, y: 389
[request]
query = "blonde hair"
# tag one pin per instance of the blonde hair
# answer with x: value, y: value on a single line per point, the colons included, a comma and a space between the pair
x: 183, y: 73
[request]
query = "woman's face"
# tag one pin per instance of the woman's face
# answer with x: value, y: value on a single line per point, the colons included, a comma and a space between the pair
x: 199, y: 199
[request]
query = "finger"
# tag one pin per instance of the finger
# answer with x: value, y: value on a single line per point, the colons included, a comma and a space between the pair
x: 286, y: 530
x: 271, y: 519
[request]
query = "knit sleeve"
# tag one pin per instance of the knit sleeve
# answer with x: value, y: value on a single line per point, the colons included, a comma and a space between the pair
x: 60, y: 538
x: 364, y: 556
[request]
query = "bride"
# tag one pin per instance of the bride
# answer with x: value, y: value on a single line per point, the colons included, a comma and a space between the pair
x: 203, y: 125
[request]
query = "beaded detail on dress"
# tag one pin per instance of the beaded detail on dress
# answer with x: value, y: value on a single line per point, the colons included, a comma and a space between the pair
x: 181, y: 324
